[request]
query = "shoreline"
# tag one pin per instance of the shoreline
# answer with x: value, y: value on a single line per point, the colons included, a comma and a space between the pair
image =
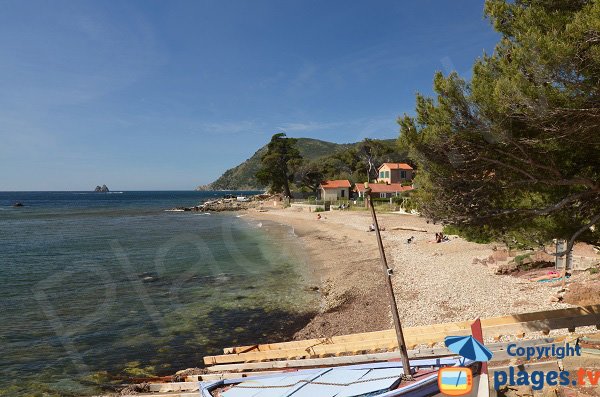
x: 434, y: 283
x: 345, y: 264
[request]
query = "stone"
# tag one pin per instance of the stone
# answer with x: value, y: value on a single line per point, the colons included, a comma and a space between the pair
x: 101, y: 189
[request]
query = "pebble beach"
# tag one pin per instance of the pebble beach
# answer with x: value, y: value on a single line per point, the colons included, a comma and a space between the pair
x: 434, y: 282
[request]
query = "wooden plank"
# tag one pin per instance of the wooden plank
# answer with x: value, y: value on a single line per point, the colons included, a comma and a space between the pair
x: 228, y: 375
x: 499, y: 350
x: 542, y: 325
x: 173, y: 387
x: 557, y: 319
x: 391, y: 344
x: 444, y: 327
x: 305, y: 363
x: 315, y: 351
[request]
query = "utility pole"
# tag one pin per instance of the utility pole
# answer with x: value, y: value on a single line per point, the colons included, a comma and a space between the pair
x: 388, y: 280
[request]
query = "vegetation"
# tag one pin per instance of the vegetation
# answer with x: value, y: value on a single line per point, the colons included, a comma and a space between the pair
x: 278, y: 163
x: 357, y: 163
x: 243, y: 176
x: 514, y: 153
x: 321, y: 160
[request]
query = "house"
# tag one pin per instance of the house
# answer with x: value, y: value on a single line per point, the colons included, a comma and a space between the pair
x: 395, y: 173
x: 335, y: 190
x: 383, y: 190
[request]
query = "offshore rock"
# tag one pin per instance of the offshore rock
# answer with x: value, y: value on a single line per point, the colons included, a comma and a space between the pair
x: 101, y: 189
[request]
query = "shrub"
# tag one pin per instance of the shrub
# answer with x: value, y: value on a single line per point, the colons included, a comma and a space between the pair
x: 475, y: 235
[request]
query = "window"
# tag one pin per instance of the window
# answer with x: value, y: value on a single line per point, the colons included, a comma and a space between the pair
x: 403, y: 174
x: 382, y: 195
x: 342, y: 192
x: 382, y: 174
x: 387, y: 174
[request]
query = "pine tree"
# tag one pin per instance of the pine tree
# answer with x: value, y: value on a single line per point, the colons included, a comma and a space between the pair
x: 278, y: 163
x: 515, y: 152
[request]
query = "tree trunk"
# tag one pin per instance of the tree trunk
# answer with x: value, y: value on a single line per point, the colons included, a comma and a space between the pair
x: 286, y: 188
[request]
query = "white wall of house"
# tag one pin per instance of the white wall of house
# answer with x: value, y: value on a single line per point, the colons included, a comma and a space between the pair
x: 341, y: 193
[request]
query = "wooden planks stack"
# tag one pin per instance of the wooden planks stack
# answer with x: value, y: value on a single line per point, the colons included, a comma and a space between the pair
x: 382, y: 341
x: 272, y: 358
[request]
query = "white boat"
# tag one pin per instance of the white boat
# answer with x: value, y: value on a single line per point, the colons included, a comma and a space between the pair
x: 361, y: 380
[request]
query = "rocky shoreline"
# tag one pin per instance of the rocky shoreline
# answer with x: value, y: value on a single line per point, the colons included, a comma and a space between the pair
x: 231, y: 204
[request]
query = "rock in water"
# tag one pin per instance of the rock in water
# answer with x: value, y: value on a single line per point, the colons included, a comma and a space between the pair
x: 101, y: 189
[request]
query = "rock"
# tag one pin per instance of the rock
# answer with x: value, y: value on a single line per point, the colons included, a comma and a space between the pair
x: 101, y: 189
x: 555, y: 298
x: 500, y: 255
x: 507, y: 268
x: 541, y: 256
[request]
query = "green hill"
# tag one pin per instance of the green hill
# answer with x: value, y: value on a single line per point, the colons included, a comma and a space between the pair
x: 242, y: 176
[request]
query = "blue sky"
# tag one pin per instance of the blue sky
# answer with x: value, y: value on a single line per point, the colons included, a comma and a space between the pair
x: 168, y: 94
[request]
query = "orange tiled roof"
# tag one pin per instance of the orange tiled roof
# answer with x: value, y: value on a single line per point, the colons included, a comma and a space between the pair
x: 338, y: 183
x: 384, y: 188
x: 397, y: 166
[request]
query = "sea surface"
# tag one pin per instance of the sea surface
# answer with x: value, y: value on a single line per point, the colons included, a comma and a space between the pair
x: 97, y: 289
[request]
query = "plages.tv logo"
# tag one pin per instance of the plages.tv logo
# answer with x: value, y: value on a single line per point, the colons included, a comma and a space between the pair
x: 540, y: 379
x: 458, y: 381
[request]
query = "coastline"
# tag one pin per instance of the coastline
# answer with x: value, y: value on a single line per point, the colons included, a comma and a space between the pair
x: 434, y: 283
x: 345, y: 264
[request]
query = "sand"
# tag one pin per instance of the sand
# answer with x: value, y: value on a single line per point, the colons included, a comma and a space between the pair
x: 434, y: 283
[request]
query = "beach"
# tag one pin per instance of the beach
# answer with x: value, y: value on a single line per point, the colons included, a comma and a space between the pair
x: 434, y: 282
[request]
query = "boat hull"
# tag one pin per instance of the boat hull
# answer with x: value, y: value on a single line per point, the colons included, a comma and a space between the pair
x: 424, y: 371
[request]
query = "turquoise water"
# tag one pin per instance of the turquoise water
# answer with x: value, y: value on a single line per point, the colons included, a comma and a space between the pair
x: 98, y: 288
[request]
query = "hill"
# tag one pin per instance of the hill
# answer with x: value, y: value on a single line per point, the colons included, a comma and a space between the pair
x: 242, y: 176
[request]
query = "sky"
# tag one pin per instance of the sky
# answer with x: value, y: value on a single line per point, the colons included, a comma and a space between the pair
x: 166, y: 95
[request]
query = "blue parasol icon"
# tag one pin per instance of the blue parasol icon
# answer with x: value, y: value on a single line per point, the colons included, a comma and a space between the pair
x: 468, y: 347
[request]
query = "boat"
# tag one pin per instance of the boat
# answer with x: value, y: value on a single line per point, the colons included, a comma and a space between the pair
x: 383, y: 379
x: 18, y: 204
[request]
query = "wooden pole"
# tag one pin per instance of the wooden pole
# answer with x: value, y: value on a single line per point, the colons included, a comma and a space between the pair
x: 388, y: 279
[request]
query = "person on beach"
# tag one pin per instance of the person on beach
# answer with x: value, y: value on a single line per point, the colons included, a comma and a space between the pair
x: 318, y: 216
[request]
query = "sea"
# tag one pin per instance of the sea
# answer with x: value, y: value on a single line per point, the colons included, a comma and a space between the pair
x: 101, y: 289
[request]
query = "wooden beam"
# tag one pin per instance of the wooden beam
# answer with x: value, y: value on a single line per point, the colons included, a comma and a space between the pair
x: 173, y: 387
x: 229, y: 375
x: 347, y: 344
x: 337, y: 349
x: 499, y: 350
x: 537, y: 317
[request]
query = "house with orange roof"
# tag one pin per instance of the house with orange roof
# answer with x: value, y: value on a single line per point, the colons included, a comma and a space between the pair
x: 395, y: 173
x: 338, y: 189
x: 382, y: 190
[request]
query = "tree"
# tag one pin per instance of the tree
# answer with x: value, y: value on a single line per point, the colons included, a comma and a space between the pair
x: 309, y: 175
x: 278, y: 162
x: 361, y: 161
x: 515, y: 152
x: 371, y: 153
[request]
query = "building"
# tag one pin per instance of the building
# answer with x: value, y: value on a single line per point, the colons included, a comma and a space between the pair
x: 395, y: 173
x: 382, y: 190
x: 335, y: 190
